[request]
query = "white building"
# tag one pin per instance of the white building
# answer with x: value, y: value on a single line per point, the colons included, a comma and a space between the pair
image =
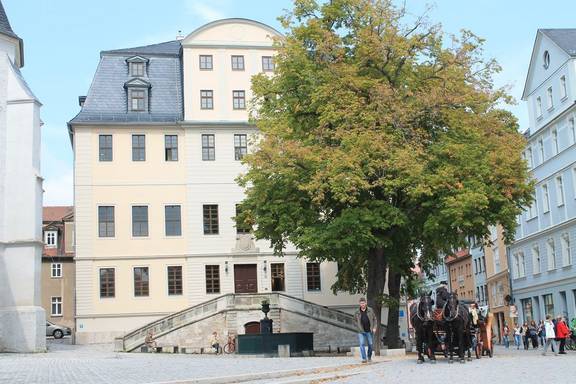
x: 22, y: 319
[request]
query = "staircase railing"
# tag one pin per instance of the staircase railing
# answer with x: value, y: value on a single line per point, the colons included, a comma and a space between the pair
x: 231, y: 301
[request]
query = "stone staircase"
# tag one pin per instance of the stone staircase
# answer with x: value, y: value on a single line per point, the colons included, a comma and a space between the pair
x: 224, y: 314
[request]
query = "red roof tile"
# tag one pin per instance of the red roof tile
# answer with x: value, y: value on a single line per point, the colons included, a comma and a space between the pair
x: 55, y: 213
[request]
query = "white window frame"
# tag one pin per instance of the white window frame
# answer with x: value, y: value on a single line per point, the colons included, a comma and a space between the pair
x: 550, y: 98
x: 545, y: 199
x: 572, y: 130
x: 555, y: 146
x: 551, y: 254
x: 566, y: 249
x: 529, y: 158
x: 522, y: 264
x: 563, y: 92
x: 541, y: 148
x: 559, y: 191
x: 538, y: 107
x: 55, y: 270
x: 58, y: 302
x: 47, y: 239
x: 535, y: 259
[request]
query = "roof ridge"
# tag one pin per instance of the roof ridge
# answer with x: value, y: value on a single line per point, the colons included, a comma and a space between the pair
x: 141, y: 47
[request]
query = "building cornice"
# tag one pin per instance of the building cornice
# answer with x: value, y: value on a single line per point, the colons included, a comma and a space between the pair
x: 548, y: 284
x: 185, y: 256
x: 546, y: 231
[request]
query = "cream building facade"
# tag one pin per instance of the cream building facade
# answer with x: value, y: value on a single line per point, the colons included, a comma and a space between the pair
x: 157, y: 147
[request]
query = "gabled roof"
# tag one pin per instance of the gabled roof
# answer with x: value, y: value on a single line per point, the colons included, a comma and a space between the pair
x: 565, y: 38
x: 57, y: 213
x: 5, y: 27
x: 168, y: 48
x: 137, y: 82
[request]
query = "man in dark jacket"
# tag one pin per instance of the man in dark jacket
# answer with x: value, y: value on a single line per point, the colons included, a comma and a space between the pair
x: 367, y: 324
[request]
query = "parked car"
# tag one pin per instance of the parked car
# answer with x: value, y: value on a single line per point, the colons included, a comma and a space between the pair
x: 57, y: 331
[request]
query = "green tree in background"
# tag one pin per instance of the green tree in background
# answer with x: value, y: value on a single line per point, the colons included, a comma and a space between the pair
x: 382, y: 143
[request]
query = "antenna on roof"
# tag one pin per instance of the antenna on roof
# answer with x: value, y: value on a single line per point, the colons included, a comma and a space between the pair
x: 180, y: 36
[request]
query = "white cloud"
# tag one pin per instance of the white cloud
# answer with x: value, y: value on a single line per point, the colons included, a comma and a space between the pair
x: 59, y: 190
x: 208, y: 10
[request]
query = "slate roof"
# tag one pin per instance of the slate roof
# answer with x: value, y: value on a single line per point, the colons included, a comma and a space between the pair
x: 565, y: 38
x: 5, y: 27
x: 106, y: 101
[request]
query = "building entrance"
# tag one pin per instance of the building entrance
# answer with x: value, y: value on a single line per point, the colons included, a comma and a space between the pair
x: 245, y: 278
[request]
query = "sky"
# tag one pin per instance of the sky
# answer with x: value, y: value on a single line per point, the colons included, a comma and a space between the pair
x: 63, y: 39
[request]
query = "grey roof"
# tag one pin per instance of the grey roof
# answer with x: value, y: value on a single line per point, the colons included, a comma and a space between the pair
x: 565, y: 38
x: 107, y: 100
x: 170, y: 48
x: 5, y: 27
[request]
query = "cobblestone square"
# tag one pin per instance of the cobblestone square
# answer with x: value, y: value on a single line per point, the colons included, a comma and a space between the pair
x: 98, y: 364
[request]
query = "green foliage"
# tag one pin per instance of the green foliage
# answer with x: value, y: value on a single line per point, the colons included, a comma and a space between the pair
x: 376, y: 134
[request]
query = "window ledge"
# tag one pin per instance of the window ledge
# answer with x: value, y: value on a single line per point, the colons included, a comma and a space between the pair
x: 564, y: 98
x: 550, y: 109
x: 567, y: 266
x: 56, y: 315
x: 539, y: 118
x: 560, y: 205
x: 532, y: 218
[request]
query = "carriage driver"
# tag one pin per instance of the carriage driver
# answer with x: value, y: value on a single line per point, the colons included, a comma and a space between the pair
x: 442, y: 295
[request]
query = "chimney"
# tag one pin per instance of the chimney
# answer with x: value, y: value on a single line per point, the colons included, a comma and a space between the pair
x: 180, y: 36
x: 81, y: 100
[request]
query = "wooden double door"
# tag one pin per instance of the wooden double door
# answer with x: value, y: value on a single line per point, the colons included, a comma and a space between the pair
x: 245, y: 278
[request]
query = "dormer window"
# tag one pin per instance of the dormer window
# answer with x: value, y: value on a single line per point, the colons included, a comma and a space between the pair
x: 137, y: 91
x: 137, y: 66
x: 136, y: 69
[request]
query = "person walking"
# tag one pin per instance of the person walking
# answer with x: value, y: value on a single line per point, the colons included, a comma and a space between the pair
x: 550, y: 336
x: 367, y: 324
x: 525, y: 335
x: 541, y: 333
x: 562, y: 333
x: 517, y: 335
x: 533, y: 334
x: 505, y: 334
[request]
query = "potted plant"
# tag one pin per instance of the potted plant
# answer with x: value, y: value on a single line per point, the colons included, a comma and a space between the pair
x: 265, y: 307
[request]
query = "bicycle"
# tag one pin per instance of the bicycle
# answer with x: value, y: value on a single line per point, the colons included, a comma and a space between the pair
x: 230, y: 346
x: 570, y: 343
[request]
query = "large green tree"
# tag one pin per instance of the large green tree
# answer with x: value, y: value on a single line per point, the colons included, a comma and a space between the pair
x: 382, y: 142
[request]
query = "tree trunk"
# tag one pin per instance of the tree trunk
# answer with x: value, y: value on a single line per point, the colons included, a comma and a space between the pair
x: 376, y: 280
x: 392, y: 328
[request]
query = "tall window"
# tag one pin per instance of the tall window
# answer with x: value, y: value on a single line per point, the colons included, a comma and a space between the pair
x: 572, y: 130
x: 206, y: 62
x: 563, y: 92
x: 240, y: 146
x: 541, y: 147
x: 138, y: 147
x: 140, y: 221
x: 566, y: 250
x: 267, y: 63
x: 105, y: 147
x: 241, y: 228
x: 206, y: 99
x: 496, y: 253
x: 51, y: 239
x: 535, y: 259
x: 56, y: 270
x: 173, y: 221
x: 56, y: 307
x: 174, y: 280
x: 555, y: 141
x: 516, y: 260
x: 313, y: 276
x: 239, y: 99
x: 538, y: 107
x: 141, y: 282
x: 237, y: 63
x: 107, y: 282
x: 137, y: 100
x: 545, y: 199
x: 208, y: 147
x: 212, y: 279
x: 559, y: 191
x: 527, y: 310
x: 549, y: 305
x: 210, y: 215
x: 551, y: 254
x: 550, y: 98
x: 106, y: 221
x: 277, y: 276
x: 533, y: 209
x: 529, y: 158
x: 522, y: 264
x: 171, y: 147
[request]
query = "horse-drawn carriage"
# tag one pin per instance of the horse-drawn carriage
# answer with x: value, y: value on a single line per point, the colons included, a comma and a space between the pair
x: 450, y: 329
